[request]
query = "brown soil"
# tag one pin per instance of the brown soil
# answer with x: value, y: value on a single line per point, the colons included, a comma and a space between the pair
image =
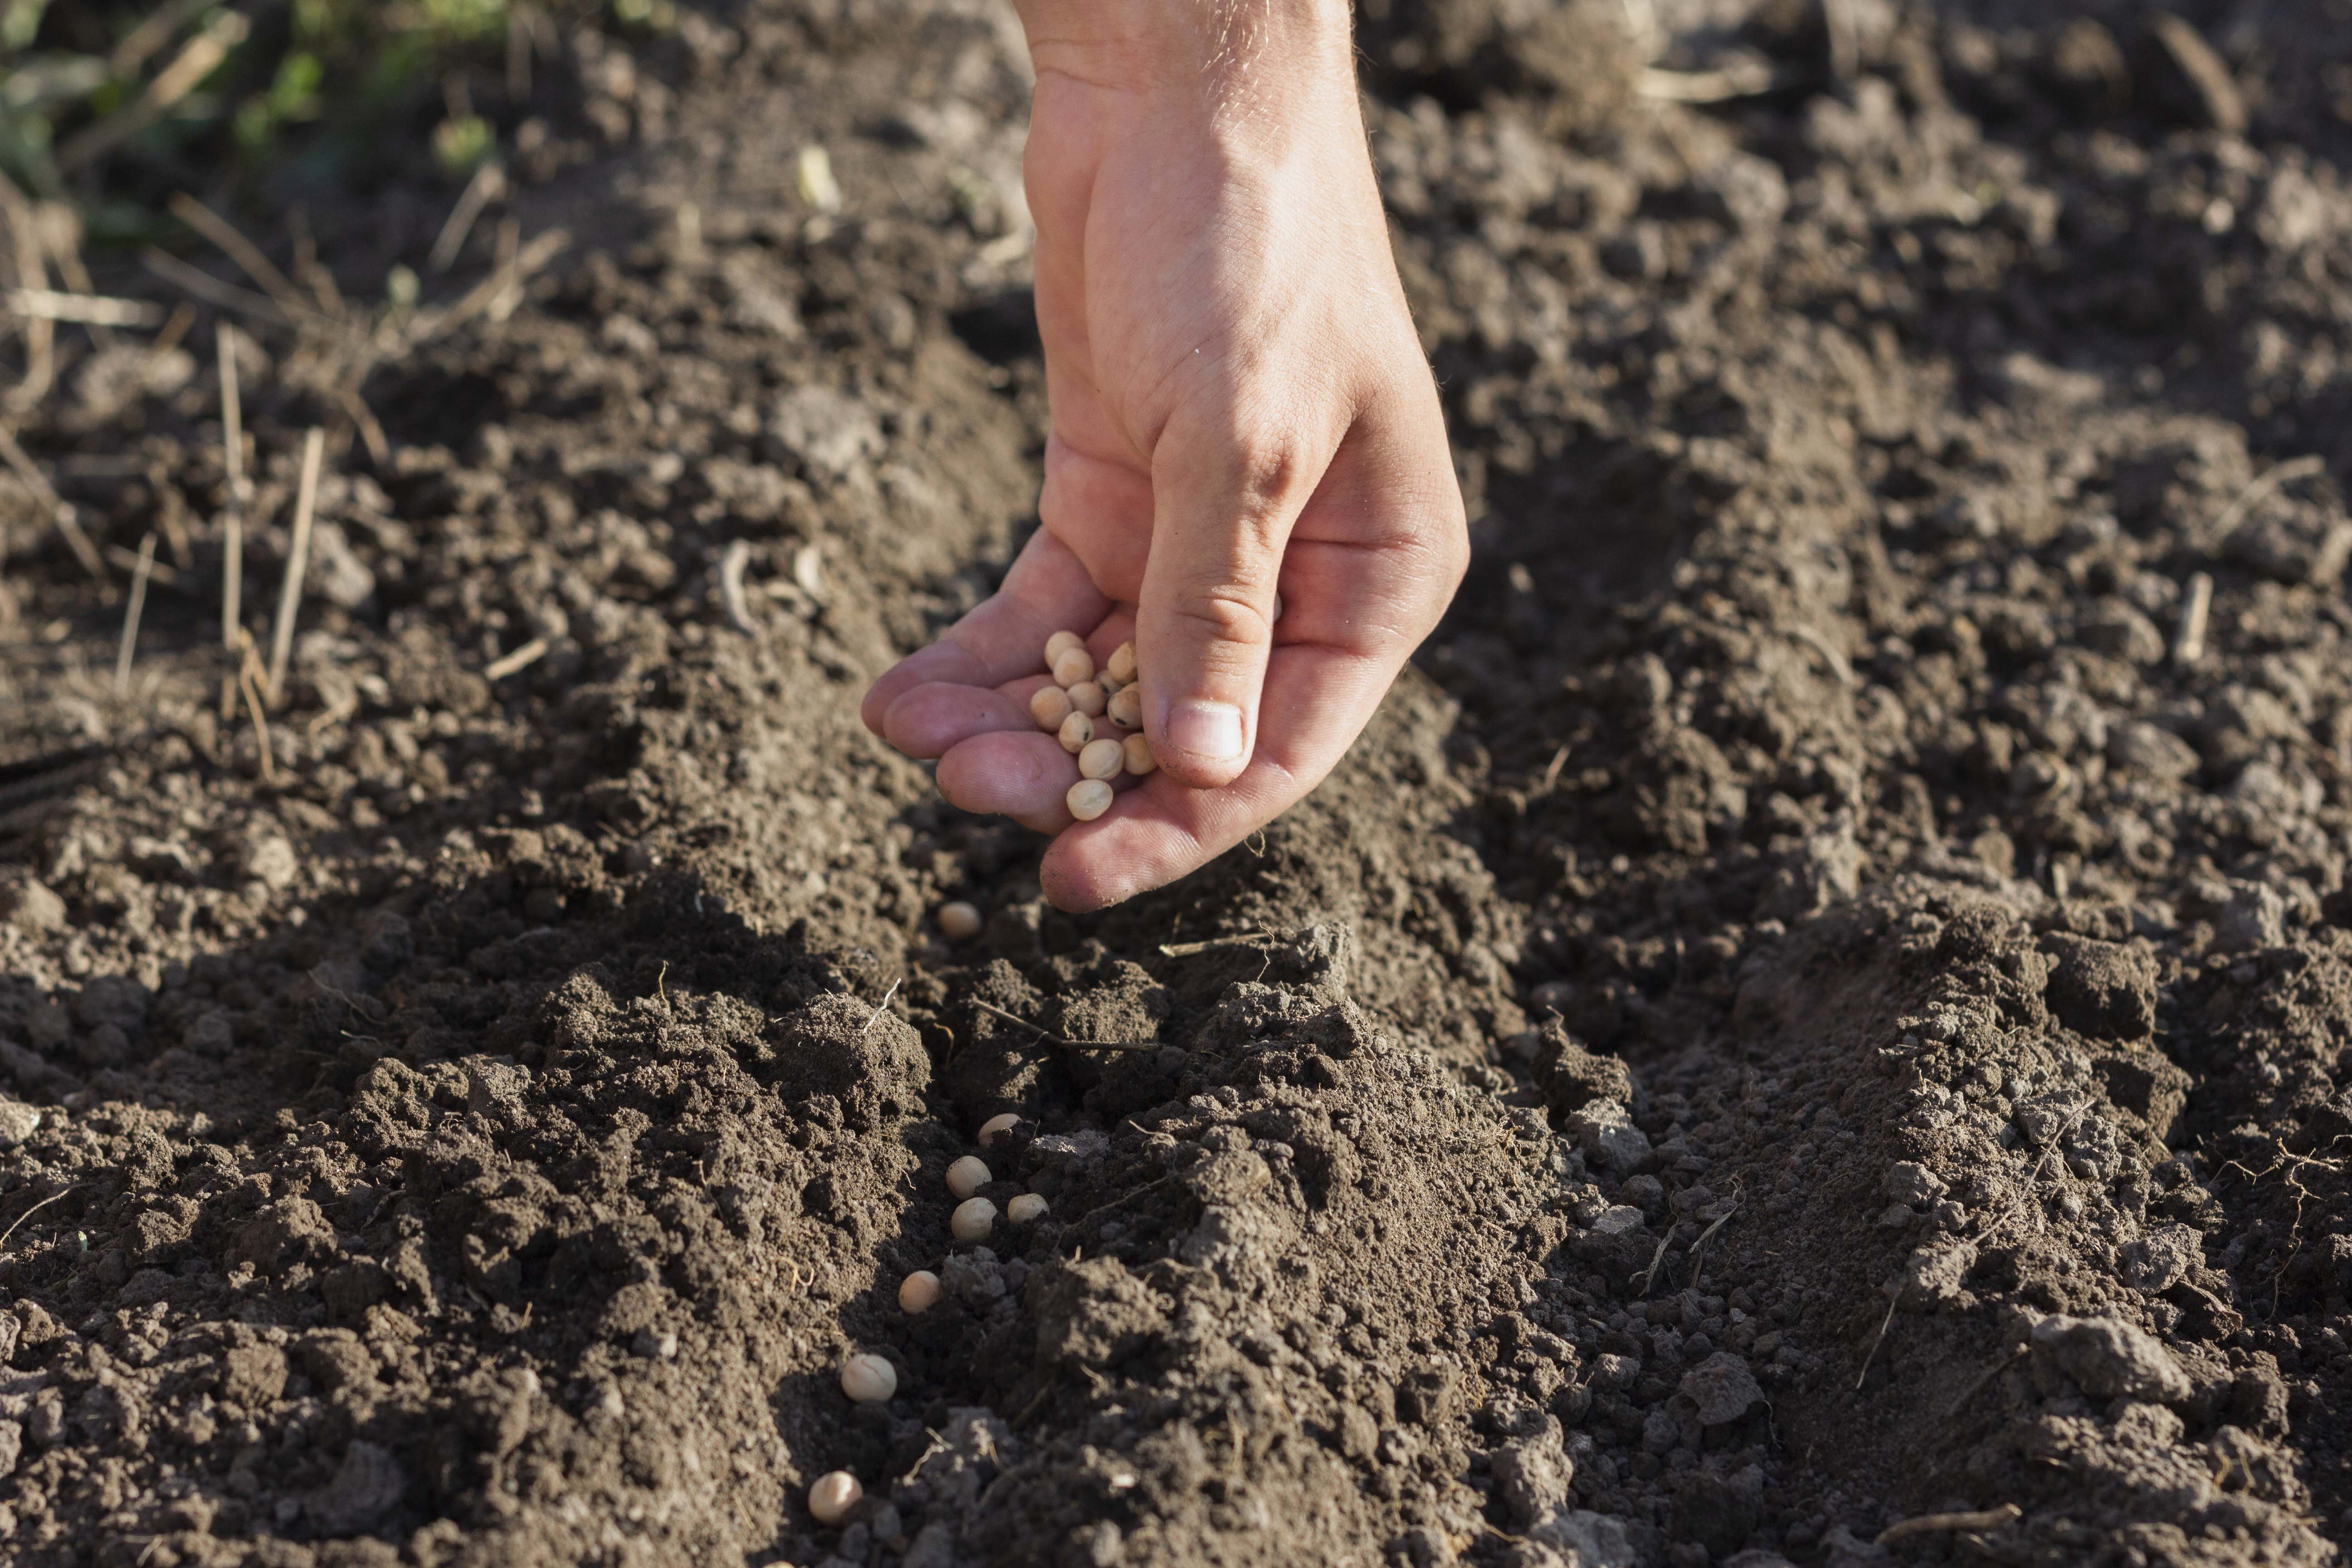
x: 1803, y: 1013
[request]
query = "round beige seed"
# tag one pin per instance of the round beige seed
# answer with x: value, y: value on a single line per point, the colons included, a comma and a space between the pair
x: 919, y: 1293
x: 973, y: 1220
x: 1108, y: 681
x: 968, y: 1175
x: 1061, y: 643
x: 1073, y: 665
x: 1024, y: 1209
x: 833, y: 1496
x: 1049, y: 705
x: 1102, y: 759
x: 1122, y: 662
x: 1126, y: 707
x: 1076, y: 731
x: 1087, y: 799
x: 997, y: 1126
x: 958, y: 922
x: 1140, y: 760
x: 1088, y: 699
x: 868, y: 1379
x: 1277, y: 607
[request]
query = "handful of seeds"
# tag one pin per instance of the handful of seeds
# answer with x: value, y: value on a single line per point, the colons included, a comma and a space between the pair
x: 1097, y: 715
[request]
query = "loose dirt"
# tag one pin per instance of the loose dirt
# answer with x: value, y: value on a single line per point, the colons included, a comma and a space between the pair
x: 1809, y: 1029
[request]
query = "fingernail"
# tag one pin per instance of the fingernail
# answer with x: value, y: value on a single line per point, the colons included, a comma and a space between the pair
x: 1211, y: 730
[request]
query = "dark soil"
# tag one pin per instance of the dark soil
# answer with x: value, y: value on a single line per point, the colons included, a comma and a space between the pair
x: 1805, y: 1013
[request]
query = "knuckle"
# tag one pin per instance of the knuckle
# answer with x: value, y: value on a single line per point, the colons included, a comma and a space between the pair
x: 1226, y: 613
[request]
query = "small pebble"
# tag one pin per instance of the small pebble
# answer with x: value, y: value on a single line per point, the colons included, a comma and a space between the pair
x: 919, y: 1292
x: 973, y: 1220
x: 1049, y: 705
x: 968, y: 1175
x: 1087, y: 799
x: 1088, y: 699
x: 868, y: 1379
x: 1024, y: 1209
x: 833, y: 1496
x: 958, y: 922
x: 1122, y: 663
x: 1140, y: 760
x: 997, y: 1126
x: 1073, y: 665
x: 1126, y: 707
x: 1076, y: 731
x: 1102, y: 759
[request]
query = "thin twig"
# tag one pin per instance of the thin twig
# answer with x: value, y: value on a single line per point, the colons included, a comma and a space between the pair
x: 878, y: 1007
x: 1709, y: 1235
x: 2286, y: 473
x: 247, y: 681
x: 139, y: 576
x: 298, y: 561
x: 2033, y: 1177
x: 59, y: 508
x: 211, y: 290
x: 1746, y: 79
x: 488, y: 185
x: 529, y: 258
x: 1057, y: 1040
x: 89, y: 310
x: 1658, y: 1258
x: 242, y: 251
x: 1982, y: 1378
x: 1187, y: 949
x: 521, y: 659
x: 233, y: 463
x: 197, y: 59
x: 129, y: 561
x: 32, y: 272
x: 1879, y: 1339
x: 1933, y: 1523
x: 1551, y: 771
x: 2189, y: 642
x: 30, y: 1213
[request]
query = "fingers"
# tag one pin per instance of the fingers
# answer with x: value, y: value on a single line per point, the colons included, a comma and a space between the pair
x: 939, y: 715
x: 1046, y: 590
x: 1224, y: 509
x: 1021, y: 775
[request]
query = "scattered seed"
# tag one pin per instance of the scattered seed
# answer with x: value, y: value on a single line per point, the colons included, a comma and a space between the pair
x: 1108, y: 681
x: 1061, y: 643
x: 1049, y: 707
x: 1087, y: 799
x: 1073, y: 665
x: 868, y: 1379
x: 958, y: 922
x: 1277, y: 607
x: 1122, y: 663
x: 833, y: 1496
x: 919, y: 1293
x: 997, y: 1126
x: 1140, y: 760
x: 1024, y: 1209
x: 1126, y: 707
x: 973, y: 1220
x: 968, y: 1175
x: 1076, y: 731
x: 1090, y: 698
x: 1102, y: 759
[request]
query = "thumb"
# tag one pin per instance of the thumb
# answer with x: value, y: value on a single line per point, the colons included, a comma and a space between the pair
x: 1204, y: 620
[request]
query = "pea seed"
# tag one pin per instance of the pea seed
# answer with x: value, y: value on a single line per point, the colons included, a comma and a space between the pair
x: 868, y: 1379
x: 1076, y: 731
x: 1102, y: 759
x: 1140, y: 760
x: 967, y: 1176
x: 1061, y: 643
x: 973, y: 1220
x: 1122, y: 663
x: 1073, y: 665
x: 958, y: 922
x: 997, y: 1126
x: 1088, y: 699
x: 1049, y: 705
x: 1126, y: 707
x: 1024, y: 1209
x: 833, y: 1495
x: 919, y: 1293
x: 1087, y: 799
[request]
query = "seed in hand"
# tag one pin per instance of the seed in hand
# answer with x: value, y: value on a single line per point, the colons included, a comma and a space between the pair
x: 833, y: 1496
x: 958, y: 922
x: 1140, y: 760
x: 1126, y: 707
x: 1049, y: 706
x: 1076, y: 731
x: 1088, y: 699
x: 1102, y: 759
x: 1087, y: 799
x: 973, y: 1220
x: 919, y: 1293
x: 868, y: 1379
x: 1059, y: 643
x: 1073, y: 665
x: 967, y: 1176
x: 1122, y: 663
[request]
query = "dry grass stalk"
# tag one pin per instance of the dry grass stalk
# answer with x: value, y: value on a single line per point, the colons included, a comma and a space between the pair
x: 488, y: 183
x: 59, y: 508
x: 130, y: 614
x: 210, y: 289
x: 233, y: 464
x: 89, y: 310
x: 521, y: 659
x: 298, y: 561
x: 248, y: 680
x: 241, y: 250
x: 197, y: 59
x: 128, y: 560
x: 2188, y: 644
x: 32, y: 272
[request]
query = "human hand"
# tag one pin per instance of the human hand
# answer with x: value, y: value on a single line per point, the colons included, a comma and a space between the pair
x: 1241, y: 414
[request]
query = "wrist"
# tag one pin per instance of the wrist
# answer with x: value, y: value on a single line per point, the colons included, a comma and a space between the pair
x: 1217, y: 45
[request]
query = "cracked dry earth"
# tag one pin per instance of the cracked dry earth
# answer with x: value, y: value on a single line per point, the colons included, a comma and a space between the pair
x: 1809, y: 1031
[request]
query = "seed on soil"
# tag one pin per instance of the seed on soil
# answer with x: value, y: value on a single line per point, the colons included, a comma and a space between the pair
x: 1061, y: 643
x: 1024, y: 1209
x: 1049, y: 706
x: 1088, y: 699
x: 968, y: 1175
x: 1088, y: 798
x: 868, y: 1379
x: 1102, y: 759
x: 1122, y: 663
x: 919, y: 1293
x: 958, y: 922
x: 973, y: 1220
x: 997, y: 1126
x: 1073, y: 665
x: 1126, y: 707
x: 1140, y: 760
x: 1076, y: 731
x: 833, y: 1496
